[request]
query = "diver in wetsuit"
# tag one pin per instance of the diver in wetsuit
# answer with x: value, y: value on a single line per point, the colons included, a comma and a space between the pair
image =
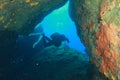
x: 56, y: 39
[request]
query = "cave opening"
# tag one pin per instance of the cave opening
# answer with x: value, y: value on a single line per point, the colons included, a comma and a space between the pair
x: 60, y: 21
x: 25, y: 61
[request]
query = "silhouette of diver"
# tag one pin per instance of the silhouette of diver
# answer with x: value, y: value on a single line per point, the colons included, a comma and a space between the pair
x: 56, y: 39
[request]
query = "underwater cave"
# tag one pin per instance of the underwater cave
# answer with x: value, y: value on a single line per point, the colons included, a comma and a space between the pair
x: 30, y: 59
x: 59, y: 40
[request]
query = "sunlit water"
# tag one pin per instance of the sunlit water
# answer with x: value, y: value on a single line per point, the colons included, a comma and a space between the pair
x: 60, y: 21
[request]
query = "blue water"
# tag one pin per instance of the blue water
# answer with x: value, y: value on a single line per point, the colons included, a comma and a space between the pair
x: 60, y: 21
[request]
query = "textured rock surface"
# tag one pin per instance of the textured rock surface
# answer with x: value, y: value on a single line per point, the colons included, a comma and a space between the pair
x: 98, y: 25
x: 64, y: 64
x: 23, y: 15
x: 52, y: 63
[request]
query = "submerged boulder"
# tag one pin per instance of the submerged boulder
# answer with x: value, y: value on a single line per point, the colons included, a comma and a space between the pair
x: 23, y: 15
x: 98, y: 26
x: 63, y: 63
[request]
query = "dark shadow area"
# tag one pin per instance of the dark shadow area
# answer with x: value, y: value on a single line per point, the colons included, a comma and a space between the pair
x: 23, y: 62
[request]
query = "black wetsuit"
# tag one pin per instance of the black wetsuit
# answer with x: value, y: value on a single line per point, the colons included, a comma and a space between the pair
x: 56, y: 41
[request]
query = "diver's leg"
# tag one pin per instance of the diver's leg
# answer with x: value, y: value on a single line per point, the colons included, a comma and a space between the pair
x: 40, y: 37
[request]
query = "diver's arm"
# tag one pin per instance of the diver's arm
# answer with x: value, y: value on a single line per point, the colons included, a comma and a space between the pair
x: 46, y: 37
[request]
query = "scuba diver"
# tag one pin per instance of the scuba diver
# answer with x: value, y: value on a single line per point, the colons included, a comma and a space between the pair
x: 56, y: 39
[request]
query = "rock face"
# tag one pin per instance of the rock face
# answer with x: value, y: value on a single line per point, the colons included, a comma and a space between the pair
x: 51, y: 63
x: 98, y: 25
x: 63, y: 62
x: 23, y: 15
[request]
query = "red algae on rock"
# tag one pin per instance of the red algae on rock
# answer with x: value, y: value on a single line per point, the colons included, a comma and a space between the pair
x: 107, y: 43
x: 91, y: 25
x: 102, y: 41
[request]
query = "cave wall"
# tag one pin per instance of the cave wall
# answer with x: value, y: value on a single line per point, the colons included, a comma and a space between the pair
x: 19, y: 17
x: 98, y: 26
x: 23, y: 15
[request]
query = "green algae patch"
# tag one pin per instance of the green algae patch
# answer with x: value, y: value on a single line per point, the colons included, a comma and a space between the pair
x: 112, y: 16
x: 23, y: 15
